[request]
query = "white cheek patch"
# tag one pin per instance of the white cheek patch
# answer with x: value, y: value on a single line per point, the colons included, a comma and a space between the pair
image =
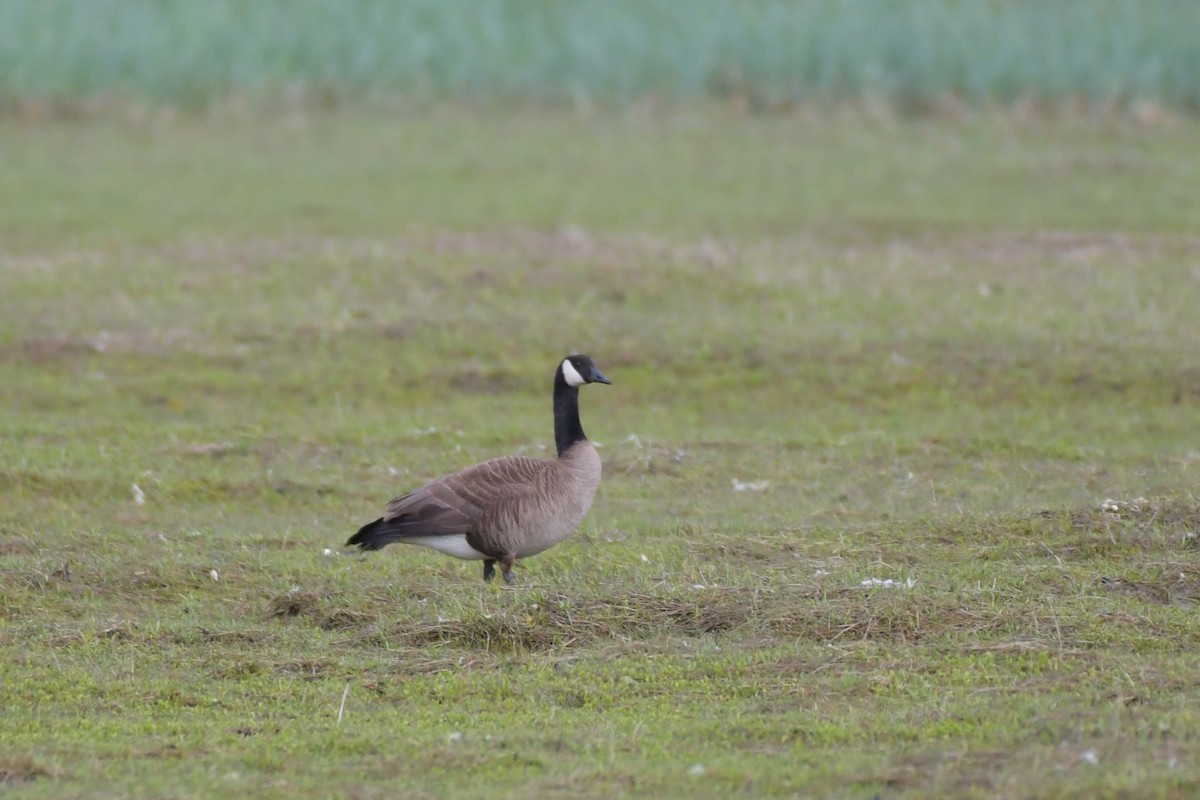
x: 571, y: 375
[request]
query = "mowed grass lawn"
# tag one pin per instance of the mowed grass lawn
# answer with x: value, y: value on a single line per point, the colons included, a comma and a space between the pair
x: 927, y: 352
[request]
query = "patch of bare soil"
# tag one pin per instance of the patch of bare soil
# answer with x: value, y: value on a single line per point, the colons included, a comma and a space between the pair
x: 21, y: 769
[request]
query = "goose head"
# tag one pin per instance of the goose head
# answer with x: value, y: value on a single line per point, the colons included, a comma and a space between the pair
x: 579, y: 369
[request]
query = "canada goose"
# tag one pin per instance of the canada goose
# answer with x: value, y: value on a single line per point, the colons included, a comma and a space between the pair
x: 505, y: 508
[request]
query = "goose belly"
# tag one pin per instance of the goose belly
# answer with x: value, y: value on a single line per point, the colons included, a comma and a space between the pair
x: 454, y: 545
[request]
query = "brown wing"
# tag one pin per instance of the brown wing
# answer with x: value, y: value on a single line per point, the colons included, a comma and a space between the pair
x: 458, y: 503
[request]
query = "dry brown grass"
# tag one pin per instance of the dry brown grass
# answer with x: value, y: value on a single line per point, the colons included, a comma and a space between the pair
x: 16, y: 770
x: 560, y: 622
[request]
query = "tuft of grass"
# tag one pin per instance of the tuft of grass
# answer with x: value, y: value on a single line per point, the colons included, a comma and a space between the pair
x: 899, y: 493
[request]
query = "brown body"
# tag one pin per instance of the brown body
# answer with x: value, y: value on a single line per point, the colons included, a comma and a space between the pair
x: 512, y: 506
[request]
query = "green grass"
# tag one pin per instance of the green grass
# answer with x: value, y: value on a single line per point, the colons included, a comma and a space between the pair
x: 941, y: 346
x: 765, y: 54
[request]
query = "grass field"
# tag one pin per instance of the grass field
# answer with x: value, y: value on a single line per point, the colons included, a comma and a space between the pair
x: 928, y: 351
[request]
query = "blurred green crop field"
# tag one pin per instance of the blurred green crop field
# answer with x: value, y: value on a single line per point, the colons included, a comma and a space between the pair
x: 900, y: 455
x: 914, y: 55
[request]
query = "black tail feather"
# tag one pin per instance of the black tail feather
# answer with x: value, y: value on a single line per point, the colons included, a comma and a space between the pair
x: 372, y: 536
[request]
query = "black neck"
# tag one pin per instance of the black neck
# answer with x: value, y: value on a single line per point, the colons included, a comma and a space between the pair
x: 567, y: 428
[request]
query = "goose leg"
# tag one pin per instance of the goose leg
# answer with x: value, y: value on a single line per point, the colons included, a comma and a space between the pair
x: 489, y: 569
x: 506, y: 565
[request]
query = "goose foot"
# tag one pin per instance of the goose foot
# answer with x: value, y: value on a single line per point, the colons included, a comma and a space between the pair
x: 489, y: 570
x: 506, y: 565
x: 510, y: 578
